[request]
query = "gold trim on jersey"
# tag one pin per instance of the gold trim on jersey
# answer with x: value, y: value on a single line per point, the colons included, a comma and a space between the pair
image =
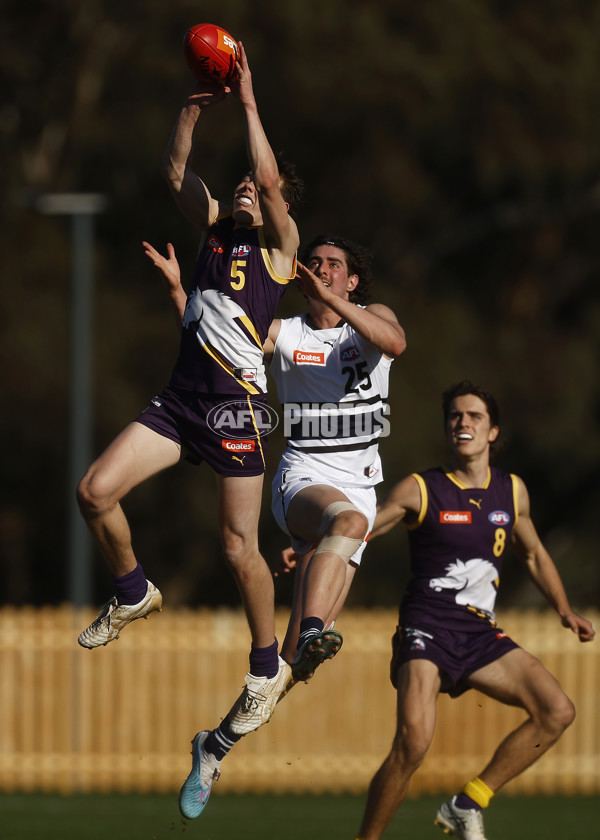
x: 214, y: 355
x: 424, y: 502
x: 204, y: 236
x: 515, y: 487
x: 464, y: 486
x: 283, y: 281
x: 262, y: 454
x: 245, y: 320
x: 482, y: 613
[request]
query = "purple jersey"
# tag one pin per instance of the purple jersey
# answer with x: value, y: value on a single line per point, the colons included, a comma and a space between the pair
x: 456, y: 548
x: 234, y: 296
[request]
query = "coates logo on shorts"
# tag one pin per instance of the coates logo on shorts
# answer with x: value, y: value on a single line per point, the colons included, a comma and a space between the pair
x: 238, y: 420
x: 238, y: 445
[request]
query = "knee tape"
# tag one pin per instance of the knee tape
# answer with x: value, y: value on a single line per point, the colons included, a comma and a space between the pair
x: 344, y: 547
x: 331, y: 511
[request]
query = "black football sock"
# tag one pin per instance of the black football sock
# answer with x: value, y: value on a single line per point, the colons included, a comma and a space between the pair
x: 309, y: 627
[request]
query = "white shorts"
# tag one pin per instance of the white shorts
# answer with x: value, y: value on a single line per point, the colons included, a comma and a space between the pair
x: 288, y: 482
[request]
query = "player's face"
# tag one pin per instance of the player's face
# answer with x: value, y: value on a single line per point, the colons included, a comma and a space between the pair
x: 246, y: 210
x: 469, y: 428
x: 329, y: 264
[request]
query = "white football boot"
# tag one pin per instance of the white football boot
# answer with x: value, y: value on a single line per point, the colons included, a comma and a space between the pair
x: 255, y: 704
x: 112, y: 618
x: 464, y: 823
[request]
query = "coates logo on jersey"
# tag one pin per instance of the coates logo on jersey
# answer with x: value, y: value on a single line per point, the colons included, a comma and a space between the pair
x: 239, y: 445
x: 215, y: 243
x: 241, y: 250
x: 349, y: 354
x: 499, y: 517
x: 303, y: 357
x: 455, y: 517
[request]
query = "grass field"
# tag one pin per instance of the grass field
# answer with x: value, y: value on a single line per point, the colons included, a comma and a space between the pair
x: 115, y: 817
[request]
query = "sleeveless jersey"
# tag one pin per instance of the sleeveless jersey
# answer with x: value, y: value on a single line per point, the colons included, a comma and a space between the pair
x: 457, y: 547
x: 233, y: 299
x: 336, y: 438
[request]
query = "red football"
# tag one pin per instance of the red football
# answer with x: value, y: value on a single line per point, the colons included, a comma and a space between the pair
x: 210, y: 52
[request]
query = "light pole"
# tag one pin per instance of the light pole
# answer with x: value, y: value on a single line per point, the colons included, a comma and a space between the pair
x: 81, y: 207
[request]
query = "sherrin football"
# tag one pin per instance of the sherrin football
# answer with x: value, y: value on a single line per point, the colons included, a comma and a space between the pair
x: 210, y: 52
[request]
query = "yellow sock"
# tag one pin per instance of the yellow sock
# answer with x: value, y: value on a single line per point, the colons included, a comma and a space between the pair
x: 479, y: 792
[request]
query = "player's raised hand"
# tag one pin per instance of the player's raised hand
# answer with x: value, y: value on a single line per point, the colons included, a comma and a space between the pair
x: 207, y: 92
x: 168, y: 266
x: 310, y: 284
x: 241, y: 83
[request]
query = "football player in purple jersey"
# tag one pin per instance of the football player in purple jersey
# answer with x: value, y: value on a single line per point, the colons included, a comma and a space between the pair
x: 246, y: 259
x: 460, y: 521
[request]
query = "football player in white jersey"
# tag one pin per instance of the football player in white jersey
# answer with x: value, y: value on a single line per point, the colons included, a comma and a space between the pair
x: 331, y: 366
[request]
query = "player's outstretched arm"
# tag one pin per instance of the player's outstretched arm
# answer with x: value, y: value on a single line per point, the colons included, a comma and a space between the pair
x: 402, y: 502
x: 169, y: 268
x: 530, y: 549
x: 189, y: 191
x: 280, y: 231
x: 377, y: 323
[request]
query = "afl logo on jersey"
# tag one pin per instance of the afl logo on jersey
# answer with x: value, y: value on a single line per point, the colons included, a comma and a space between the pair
x: 241, y: 251
x: 349, y: 354
x: 499, y: 517
x: 303, y: 357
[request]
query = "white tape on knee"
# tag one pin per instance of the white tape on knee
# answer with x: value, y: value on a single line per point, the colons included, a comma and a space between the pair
x: 331, y: 511
x: 344, y: 547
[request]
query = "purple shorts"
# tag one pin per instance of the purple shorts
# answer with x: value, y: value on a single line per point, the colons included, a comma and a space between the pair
x: 457, y: 653
x: 228, y: 433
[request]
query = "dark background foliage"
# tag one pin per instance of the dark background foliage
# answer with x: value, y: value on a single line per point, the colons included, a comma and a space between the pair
x: 458, y: 140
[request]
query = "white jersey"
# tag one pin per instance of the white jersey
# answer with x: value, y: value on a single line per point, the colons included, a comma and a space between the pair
x: 332, y: 385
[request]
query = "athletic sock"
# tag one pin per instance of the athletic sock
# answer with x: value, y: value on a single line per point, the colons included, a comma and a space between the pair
x: 476, y: 794
x: 132, y: 587
x: 309, y: 627
x: 221, y: 740
x: 466, y: 803
x: 264, y: 662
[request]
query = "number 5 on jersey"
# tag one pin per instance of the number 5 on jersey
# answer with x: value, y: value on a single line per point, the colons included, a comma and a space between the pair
x: 237, y: 273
